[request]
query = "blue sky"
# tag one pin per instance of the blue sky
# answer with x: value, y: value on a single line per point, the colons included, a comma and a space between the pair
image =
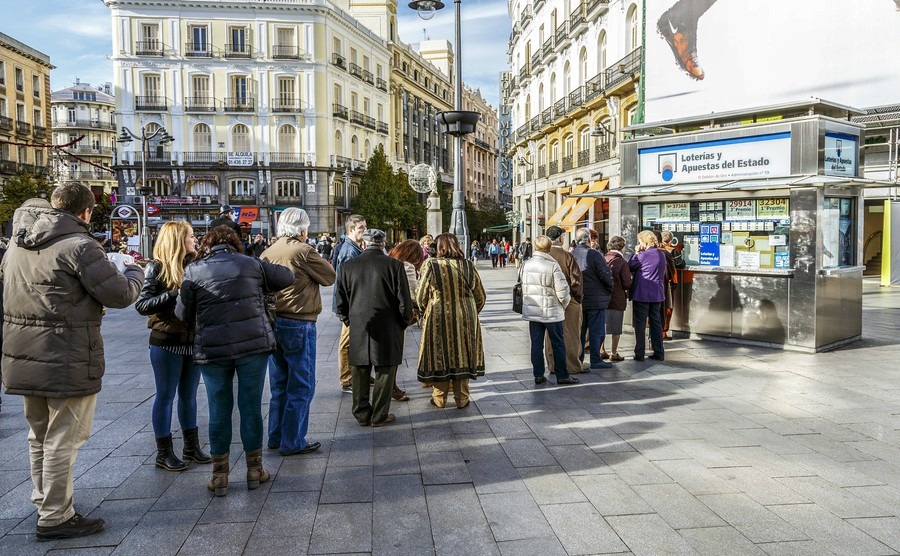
x: 76, y: 36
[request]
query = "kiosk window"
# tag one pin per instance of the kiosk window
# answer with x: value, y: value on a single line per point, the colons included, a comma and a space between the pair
x: 838, y: 230
x: 743, y: 233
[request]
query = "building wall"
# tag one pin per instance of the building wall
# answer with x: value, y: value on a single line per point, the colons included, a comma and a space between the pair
x: 480, y: 150
x: 24, y: 108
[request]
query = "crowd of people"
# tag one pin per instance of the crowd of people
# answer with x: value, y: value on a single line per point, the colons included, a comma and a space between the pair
x: 224, y: 310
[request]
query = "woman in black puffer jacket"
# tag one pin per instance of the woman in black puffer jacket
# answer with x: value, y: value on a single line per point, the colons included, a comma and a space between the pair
x: 171, y: 345
x: 222, y: 297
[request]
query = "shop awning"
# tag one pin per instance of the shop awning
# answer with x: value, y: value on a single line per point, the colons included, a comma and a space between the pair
x: 585, y: 203
x: 567, y: 205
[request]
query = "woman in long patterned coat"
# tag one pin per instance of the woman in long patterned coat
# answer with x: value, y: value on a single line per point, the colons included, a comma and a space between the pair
x: 451, y: 296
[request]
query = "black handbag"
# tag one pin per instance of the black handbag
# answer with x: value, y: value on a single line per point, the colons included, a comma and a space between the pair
x: 517, y: 293
x: 268, y: 298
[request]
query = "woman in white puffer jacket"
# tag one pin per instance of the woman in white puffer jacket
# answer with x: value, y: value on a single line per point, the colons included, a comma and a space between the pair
x: 545, y: 295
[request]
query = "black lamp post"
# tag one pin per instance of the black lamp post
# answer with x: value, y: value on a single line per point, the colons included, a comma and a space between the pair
x: 457, y: 122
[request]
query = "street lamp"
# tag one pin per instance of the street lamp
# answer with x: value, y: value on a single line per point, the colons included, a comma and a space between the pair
x: 457, y: 122
x: 126, y: 136
x: 524, y: 161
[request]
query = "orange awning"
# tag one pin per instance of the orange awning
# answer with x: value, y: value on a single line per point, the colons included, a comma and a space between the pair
x: 584, y: 204
x: 567, y: 205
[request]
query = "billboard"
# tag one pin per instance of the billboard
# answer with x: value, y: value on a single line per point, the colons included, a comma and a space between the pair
x: 707, y: 56
x: 505, y: 131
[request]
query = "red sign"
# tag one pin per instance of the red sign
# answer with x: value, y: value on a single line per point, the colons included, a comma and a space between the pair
x: 247, y: 214
x: 152, y: 210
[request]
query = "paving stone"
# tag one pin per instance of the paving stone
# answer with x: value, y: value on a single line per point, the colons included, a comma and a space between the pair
x: 491, y: 470
x: 885, y: 497
x: 649, y: 534
x: 506, y: 428
x: 147, y: 481
x: 121, y: 516
x: 769, y: 463
x: 440, y: 468
x: 581, y: 529
x: 794, y: 548
x: 837, y: 473
x: 695, y: 478
x: 455, y: 508
x: 579, y: 460
x: 187, y: 491
x: 884, y: 529
x: 836, y: 500
x: 217, y: 538
x: 653, y: 447
x: 551, y: 485
x: 828, y: 530
x: 287, y: 514
x: 720, y: 541
x: 752, y: 519
x: 396, y: 460
x: 110, y: 472
x: 600, y: 439
x: 239, y: 505
x: 341, y: 528
x: 546, y: 546
x: 351, y: 453
x: 514, y: 515
x: 763, y: 489
x: 298, y: 474
x: 401, y: 525
x: 634, y: 469
x: 347, y: 484
x: 677, y: 506
x: 611, y: 495
x: 159, y: 533
x: 527, y: 453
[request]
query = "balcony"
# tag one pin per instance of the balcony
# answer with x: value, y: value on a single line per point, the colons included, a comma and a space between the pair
x: 381, y: 84
x: 584, y: 158
x: 95, y: 124
x: 197, y: 50
x: 238, y: 50
x: 524, y: 75
x: 578, y: 20
x: 523, y: 132
x: 542, y: 171
x: 576, y: 99
x: 536, y: 61
x: 357, y: 118
x: 86, y: 175
x: 340, y: 161
x: 355, y: 70
x: 624, y: 69
x: 548, y: 51
x: 8, y: 167
x: 286, y: 104
x: 538, y: 4
x: 535, y: 123
x: 339, y: 61
x: 525, y: 17
x: 368, y: 77
x: 240, y: 104
x: 23, y: 128
x: 340, y: 111
x: 529, y: 174
x: 199, y: 104
x: 381, y: 127
x: 149, y: 48
x: 95, y: 150
x: 563, y: 39
x: 5, y: 123
x: 370, y: 123
x: 40, y: 132
x: 596, y: 8
x: 554, y: 167
x: 559, y: 108
x: 287, y: 160
x: 567, y: 163
x: 151, y: 103
x: 283, y: 52
x: 159, y: 157
x: 594, y: 87
x: 242, y: 199
x: 202, y: 158
x: 602, y: 152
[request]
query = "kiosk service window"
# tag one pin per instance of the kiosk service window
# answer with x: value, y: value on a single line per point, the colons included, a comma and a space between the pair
x: 739, y: 233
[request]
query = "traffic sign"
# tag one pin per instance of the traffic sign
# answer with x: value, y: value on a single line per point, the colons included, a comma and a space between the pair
x: 152, y: 210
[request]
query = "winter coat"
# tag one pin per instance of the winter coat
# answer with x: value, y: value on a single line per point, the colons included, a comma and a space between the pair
x: 302, y: 300
x: 622, y: 279
x: 649, y: 268
x: 226, y: 221
x: 598, y: 280
x: 450, y: 295
x: 570, y: 269
x: 349, y: 250
x: 56, y: 280
x: 544, y: 290
x: 373, y: 300
x: 158, y: 302
x: 222, y: 297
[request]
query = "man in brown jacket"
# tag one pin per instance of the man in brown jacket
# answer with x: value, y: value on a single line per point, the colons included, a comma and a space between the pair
x: 56, y: 280
x: 572, y: 322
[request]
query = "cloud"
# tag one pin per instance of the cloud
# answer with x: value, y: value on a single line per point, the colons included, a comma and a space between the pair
x: 90, y: 25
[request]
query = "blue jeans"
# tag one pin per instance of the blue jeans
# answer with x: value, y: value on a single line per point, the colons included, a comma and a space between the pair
x: 219, y: 380
x: 173, y: 372
x: 642, y: 310
x: 593, y: 323
x: 292, y: 380
x: 557, y: 345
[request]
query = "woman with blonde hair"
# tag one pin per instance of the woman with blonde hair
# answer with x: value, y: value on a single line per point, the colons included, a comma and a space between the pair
x: 451, y: 295
x: 647, y: 292
x: 171, y: 346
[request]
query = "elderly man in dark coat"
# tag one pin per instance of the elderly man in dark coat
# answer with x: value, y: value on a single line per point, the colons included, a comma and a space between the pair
x: 373, y: 295
x: 598, y: 287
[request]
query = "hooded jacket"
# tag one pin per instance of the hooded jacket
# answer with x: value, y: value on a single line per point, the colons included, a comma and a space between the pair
x: 56, y: 280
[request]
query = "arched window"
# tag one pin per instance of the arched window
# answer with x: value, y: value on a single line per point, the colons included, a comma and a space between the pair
x: 288, y: 188
x: 368, y: 151
x: 528, y: 108
x: 204, y: 188
x: 202, y: 138
x: 567, y: 80
x: 553, y: 90
x: 242, y: 187
x: 582, y: 66
x: 354, y: 148
x: 240, y: 138
x: 601, y: 52
x: 631, y: 29
x: 540, y: 100
x: 338, y: 144
x: 584, y: 142
x: 287, y: 139
x: 569, y: 146
x: 153, y: 145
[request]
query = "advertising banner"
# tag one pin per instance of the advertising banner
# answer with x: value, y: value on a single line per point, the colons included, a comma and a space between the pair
x: 505, y: 168
x: 840, y: 154
x: 707, y: 56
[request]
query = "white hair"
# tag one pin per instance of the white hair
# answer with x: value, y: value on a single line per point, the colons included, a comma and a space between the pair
x: 293, y: 222
x: 583, y: 236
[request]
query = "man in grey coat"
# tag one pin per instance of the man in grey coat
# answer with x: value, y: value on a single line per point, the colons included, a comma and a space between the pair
x: 56, y: 279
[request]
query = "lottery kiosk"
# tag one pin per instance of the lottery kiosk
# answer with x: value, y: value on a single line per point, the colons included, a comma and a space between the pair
x: 765, y: 206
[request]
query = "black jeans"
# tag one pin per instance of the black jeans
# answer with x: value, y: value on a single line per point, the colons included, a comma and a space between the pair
x: 641, y: 311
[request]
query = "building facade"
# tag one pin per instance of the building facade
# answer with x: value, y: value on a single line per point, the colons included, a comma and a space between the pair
x: 575, y: 71
x: 480, y: 150
x: 278, y: 110
x: 24, y: 109
x: 85, y: 112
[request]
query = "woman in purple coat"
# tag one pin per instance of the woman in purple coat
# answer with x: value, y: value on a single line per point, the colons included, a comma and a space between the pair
x: 647, y: 294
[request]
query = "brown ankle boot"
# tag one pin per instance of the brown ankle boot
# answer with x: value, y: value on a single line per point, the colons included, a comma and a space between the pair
x: 255, y: 472
x: 219, y: 482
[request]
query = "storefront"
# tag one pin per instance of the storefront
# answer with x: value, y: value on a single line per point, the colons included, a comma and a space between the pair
x: 768, y: 217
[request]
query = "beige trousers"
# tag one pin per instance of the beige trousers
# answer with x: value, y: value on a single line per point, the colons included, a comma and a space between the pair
x: 59, y: 426
x: 460, y: 392
x: 571, y: 333
x: 344, y: 356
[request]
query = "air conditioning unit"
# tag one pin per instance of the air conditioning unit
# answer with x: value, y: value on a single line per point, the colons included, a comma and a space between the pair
x: 137, y: 201
x: 205, y: 200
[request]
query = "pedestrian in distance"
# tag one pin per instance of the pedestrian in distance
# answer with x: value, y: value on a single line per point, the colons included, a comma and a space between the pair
x: 350, y: 249
x: 257, y: 246
x: 56, y: 280
x: 573, y: 313
x: 451, y: 350
x: 292, y: 367
x: 427, y: 243
x: 598, y: 287
x: 649, y: 265
x: 221, y: 296
x: 494, y: 252
x: 545, y: 296
x: 171, y: 346
x: 618, y: 300
x: 408, y: 252
x: 473, y: 251
x: 525, y: 249
x: 373, y: 301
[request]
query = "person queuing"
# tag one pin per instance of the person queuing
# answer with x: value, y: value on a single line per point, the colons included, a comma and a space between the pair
x: 427, y: 243
x: 292, y: 367
x: 52, y: 346
x: 451, y: 296
x: 221, y: 296
x: 408, y: 252
x: 545, y: 295
x: 572, y: 321
x: 618, y: 300
x: 598, y: 287
x: 171, y: 346
x: 350, y: 249
x: 675, y: 264
x: 373, y: 301
x: 649, y: 265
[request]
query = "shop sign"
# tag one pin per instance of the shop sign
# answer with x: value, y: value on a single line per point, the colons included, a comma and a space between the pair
x: 771, y: 209
x: 152, y: 210
x: 676, y: 211
x: 740, y: 209
x: 840, y: 154
x: 239, y: 159
x: 759, y: 156
x: 246, y: 214
x: 709, y: 244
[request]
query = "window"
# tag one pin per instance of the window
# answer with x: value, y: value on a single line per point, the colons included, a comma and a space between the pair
x: 285, y: 37
x: 200, y: 91
x: 338, y: 144
x: 36, y: 85
x: 242, y: 187
x: 838, y: 230
x: 158, y: 187
x: 152, y: 86
x: 36, y: 117
x: 240, y: 138
x: 336, y: 46
x: 202, y: 138
x: 554, y: 152
x: 288, y: 188
x: 354, y: 101
x: 238, y: 37
x: 582, y: 66
x: 286, y: 91
x: 70, y: 116
x: 570, y: 145
x: 150, y: 36
x: 20, y: 80
x: 585, y: 142
x: 338, y: 94
x: 38, y: 157
x: 239, y: 87
x: 204, y: 188
x: 199, y: 44
x: 366, y: 63
x: 23, y: 155
x: 353, y: 55
x: 631, y: 25
x: 287, y: 139
x: 601, y: 52
x: 2, y: 73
